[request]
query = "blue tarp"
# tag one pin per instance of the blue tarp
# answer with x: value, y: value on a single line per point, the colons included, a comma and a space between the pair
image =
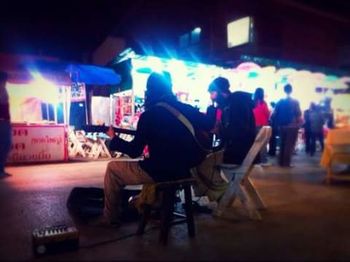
x: 89, y: 74
x: 93, y: 75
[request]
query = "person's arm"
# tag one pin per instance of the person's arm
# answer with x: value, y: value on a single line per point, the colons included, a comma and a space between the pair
x: 202, y: 121
x: 298, y: 110
x: 211, y: 114
x: 274, y: 115
x: 135, y: 147
x: 298, y: 118
x: 203, y: 127
x: 266, y: 111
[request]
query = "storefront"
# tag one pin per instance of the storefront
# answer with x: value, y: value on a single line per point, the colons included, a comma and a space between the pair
x: 191, y: 81
x: 41, y: 95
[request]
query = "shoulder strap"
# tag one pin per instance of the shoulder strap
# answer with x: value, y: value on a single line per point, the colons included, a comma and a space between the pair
x: 183, y: 120
x: 179, y: 116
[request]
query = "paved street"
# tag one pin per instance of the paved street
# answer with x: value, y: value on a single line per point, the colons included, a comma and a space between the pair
x: 305, y: 220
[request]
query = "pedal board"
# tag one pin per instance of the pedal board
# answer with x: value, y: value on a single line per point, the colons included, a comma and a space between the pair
x: 55, y: 239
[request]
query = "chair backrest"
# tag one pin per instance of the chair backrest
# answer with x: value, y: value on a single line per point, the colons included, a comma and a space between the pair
x: 261, y: 140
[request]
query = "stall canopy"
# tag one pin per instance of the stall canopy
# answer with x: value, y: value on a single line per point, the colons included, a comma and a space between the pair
x: 89, y: 74
x: 93, y: 75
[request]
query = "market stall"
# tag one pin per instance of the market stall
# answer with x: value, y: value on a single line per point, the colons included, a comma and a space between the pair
x: 41, y: 95
x: 191, y: 80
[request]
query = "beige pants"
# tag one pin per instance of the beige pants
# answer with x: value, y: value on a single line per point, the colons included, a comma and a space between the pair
x: 118, y: 175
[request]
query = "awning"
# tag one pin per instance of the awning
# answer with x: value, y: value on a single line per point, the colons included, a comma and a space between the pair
x: 93, y: 75
x: 63, y: 71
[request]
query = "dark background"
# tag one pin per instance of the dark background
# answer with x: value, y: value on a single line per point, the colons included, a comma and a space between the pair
x: 71, y: 30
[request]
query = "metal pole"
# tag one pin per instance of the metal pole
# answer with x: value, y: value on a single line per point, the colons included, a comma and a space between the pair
x: 110, y: 110
x: 55, y: 112
x: 86, y: 109
x: 68, y: 104
x: 47, y: 112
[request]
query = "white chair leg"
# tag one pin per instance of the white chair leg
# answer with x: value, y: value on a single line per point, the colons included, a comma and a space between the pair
x: 227, y: 199
x: 98, y: 151
x: 254, y: 194
x: 248, y: 204
x: 80, y: 150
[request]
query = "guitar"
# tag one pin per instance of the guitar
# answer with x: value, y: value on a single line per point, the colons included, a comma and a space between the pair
x: 104, y: 129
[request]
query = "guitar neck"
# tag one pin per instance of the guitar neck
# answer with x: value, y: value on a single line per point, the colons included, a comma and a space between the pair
x: 104, y: 129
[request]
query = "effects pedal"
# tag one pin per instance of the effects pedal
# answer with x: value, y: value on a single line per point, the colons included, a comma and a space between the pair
x: 55, y: 239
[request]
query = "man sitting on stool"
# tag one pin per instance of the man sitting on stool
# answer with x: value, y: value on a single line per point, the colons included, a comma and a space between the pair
x: 172, y: 148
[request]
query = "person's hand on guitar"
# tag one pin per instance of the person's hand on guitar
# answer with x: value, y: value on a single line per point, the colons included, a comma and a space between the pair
x: 111, y: 132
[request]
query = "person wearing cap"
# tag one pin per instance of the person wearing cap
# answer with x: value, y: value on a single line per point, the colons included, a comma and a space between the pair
x: 237, y: 128
x: 5, y: 125
x: 172, y: 148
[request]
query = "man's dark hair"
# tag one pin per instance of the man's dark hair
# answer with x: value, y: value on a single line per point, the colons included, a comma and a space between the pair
x: 158, y: 87
x: 3, y: 76
x: 159, y: 84
x: 258, y: 95
x: 288, y: 89
x: 219, y: 84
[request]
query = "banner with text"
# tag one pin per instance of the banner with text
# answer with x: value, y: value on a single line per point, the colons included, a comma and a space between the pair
x: 38, y: 144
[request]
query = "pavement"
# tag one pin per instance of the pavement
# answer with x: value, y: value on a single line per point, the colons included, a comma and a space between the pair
x: 305, y: 220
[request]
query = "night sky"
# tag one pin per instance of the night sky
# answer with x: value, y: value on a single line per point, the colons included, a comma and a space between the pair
x: 70, y: 29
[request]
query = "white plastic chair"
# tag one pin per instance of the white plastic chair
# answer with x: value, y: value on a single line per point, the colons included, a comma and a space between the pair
x: 240, y: 185
x: 76, y: 144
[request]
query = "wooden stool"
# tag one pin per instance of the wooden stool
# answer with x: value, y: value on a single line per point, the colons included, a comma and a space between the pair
x: 168, y: 192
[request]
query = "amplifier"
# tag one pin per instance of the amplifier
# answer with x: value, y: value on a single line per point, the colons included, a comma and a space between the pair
x: 55, y: 239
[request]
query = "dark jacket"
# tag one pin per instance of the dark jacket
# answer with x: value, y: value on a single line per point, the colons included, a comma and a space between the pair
x: 238, y: 127
x: 306, y: 124
x: 172, y: 149
x: 316, y: 121
x: 287, y: 112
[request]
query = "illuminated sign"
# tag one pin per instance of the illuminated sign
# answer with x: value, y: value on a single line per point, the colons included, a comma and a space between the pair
x: 239, y: 32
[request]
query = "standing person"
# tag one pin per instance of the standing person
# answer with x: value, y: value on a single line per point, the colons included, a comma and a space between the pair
x: 214, y: 114
x: 273, y: 139
x: 237, y: 125
x: 261, y: 116
x: 316, y: 128
x: 5, y: 125
x: 307, y: 128
x: 328, y: 113
x: 172, y: 148
x: 287, y: 116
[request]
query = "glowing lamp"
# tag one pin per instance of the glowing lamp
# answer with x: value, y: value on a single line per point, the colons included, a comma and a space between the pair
x: 197, y: 30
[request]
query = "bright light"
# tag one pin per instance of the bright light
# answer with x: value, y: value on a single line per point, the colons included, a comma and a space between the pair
x: 44, y: 89
x: 155, y: 64
x: 192, y: 80
x: 197, y: 30
x: 188, y: 78
x: 238, y: 32
x: 177, y: 67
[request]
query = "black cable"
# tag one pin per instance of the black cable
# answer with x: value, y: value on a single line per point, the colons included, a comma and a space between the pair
x: 116, y: 239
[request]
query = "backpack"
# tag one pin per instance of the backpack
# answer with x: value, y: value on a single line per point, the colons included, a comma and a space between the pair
x: 86, y: 203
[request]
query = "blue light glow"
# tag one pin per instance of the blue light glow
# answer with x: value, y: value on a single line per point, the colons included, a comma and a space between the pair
x: 197, y: 30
